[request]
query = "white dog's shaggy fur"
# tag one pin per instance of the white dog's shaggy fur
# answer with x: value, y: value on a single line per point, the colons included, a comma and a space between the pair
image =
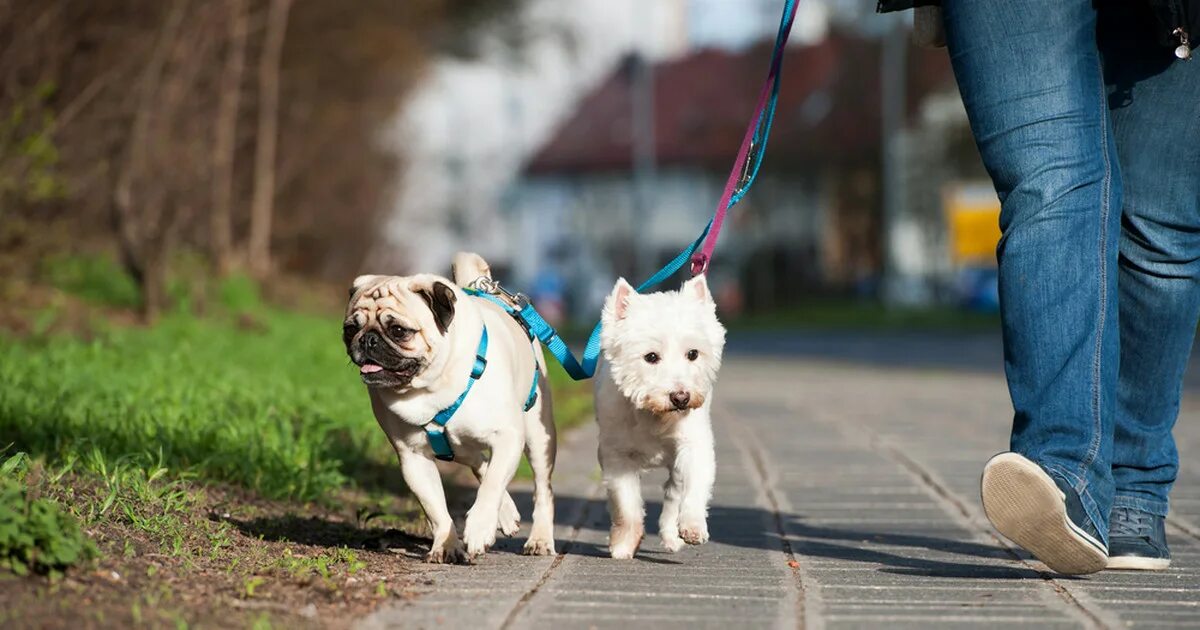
x: 661, y: 353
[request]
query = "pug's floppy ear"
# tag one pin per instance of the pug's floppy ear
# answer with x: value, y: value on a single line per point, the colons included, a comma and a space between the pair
x: 440, y: 298
x: 363, y: 281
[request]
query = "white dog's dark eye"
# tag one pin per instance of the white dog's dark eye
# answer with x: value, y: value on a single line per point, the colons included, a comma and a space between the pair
x: 693, y: 354
x: 400, y: 333
x: 349, y: 330
x: 651, y: 357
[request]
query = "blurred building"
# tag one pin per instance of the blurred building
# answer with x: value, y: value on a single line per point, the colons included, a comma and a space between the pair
x: 813, y: 220
x: 466, y: 133
x: 468, y: 129
x: 597, y: 145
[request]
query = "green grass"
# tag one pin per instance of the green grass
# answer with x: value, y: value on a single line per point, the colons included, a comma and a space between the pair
x: 92, y: 490
x: 97, y: 279
x: 275, y: 409
x: 36, y: 533
x: 572, y: 399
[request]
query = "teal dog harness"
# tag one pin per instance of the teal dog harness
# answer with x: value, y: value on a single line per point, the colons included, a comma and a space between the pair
x: 435, y: 429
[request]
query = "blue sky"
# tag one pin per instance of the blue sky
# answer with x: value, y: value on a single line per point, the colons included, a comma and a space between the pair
x: 731, y: 23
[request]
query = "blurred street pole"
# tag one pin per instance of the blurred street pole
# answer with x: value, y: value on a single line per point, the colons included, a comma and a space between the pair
x: 643, y: 159
x: 893, y: 66
x: 524, y: 260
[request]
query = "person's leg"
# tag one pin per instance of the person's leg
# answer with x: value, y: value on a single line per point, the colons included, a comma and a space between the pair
x: 1154, y: 103
x: 1031, y: 79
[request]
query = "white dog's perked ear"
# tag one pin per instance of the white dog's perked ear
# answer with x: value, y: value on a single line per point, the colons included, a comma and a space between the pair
x: 616, y: 307
x: 697, y: 287
x: 363, y: 281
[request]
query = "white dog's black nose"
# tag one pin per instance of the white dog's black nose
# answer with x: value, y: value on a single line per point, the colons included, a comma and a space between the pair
x: 680, y: 399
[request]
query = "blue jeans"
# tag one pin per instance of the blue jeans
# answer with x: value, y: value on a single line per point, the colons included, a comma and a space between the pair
x: 1090, y: 131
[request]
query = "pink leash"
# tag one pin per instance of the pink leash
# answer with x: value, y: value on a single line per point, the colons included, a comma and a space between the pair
x: 741, y: 176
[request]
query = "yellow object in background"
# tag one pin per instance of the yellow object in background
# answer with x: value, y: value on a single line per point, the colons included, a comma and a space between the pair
x: 973, y: 220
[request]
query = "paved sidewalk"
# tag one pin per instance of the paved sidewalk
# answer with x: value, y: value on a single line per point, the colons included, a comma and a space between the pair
x: 846, y: 497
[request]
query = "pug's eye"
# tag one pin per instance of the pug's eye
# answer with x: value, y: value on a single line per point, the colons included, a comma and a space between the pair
x: 400, y: 333
x: 651, y: 357
x: 693, y: 354
x: 349, y: 330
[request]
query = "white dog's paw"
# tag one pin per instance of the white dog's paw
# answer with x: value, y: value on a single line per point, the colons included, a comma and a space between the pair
x: 479, y: 535
x: 694, y: 532
x: 671, y: 541
x: 449, y: 552
x: 509, y: 521
x: 622, y: 553
x: 623, y: 541
x: 539, y: 546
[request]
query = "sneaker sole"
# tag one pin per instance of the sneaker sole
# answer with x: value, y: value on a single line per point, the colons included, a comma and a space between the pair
x: 1138, y: 563
x: 1026, y: 506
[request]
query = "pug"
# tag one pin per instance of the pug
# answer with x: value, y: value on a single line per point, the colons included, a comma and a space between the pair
x: 415, y: 341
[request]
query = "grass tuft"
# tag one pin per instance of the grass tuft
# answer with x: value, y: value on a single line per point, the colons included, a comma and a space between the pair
x: 97, y: 279
x: 36, y: 534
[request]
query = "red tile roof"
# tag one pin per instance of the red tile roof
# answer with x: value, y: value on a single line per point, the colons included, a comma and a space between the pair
x: 828, y: 108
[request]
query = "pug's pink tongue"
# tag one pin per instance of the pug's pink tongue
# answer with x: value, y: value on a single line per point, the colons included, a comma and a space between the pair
x: 370, y: 368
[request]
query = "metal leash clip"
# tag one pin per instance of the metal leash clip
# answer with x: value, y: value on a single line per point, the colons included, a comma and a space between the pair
x: 487, y: 285
x: 744, y: 180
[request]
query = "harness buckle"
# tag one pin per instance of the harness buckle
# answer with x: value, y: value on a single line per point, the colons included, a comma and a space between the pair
x: 479, y: 367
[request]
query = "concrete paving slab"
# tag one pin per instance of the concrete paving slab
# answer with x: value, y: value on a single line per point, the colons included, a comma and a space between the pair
x: 847, y: 497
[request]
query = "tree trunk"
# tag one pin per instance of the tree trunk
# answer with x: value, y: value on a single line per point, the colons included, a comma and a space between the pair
x: 154, y: 285
x: 135, y: 225
x: 262, y: 205
x: 225, y: 144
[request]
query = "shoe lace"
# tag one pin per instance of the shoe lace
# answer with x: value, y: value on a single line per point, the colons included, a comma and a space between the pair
x: 1132, y: 523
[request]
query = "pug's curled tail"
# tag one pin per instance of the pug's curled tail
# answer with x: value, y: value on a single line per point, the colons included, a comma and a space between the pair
x: 469, y: 266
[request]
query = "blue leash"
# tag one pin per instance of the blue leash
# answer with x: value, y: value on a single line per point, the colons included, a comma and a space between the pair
x: 538, y: 327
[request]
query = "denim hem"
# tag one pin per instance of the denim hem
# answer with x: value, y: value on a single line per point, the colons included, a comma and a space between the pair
x: 1090, y: 506
x: 1149, y: 506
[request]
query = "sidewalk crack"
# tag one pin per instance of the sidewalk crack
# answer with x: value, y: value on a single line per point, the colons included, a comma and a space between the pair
x: 757, y: 457
x: 576, y: 528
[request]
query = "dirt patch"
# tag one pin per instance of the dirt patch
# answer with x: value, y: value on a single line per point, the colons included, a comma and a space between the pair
x: 226, y: 558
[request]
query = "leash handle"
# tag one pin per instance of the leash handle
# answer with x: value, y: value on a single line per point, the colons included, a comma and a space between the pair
x: 754, y: 145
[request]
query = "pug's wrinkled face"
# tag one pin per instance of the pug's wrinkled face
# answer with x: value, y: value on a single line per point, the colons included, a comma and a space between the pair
x: 395, y: 326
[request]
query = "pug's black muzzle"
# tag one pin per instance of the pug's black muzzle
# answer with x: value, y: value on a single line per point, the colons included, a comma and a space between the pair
x: 372, y: 349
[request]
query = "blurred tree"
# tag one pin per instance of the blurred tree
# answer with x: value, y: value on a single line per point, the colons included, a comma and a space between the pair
x: 150, y: 211
x: 262, y: 207
x: 224, y: 142
x: 135, y: 123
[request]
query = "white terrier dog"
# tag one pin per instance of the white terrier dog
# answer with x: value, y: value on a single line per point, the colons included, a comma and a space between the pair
x: 654, y: 387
